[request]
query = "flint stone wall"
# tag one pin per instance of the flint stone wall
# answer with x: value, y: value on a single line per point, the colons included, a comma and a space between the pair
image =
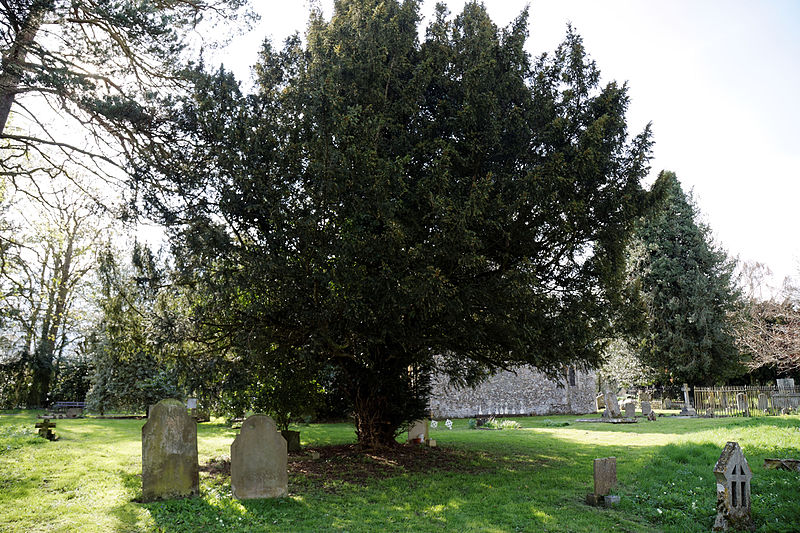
x: 523, y: 392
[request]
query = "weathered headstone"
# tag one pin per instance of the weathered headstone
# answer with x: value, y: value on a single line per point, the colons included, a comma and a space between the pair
x: 600, y: 402
x: 612, y: 406
x: 630, y: 409
x: 742, y: 404
x: 259, y: 460
x: 646, y: 408
x: 782, y: 464
x: 292, y: 438
x: 763, y: 404
x: 605, y: 478
x: 169, y: 453
x: 785, y: 383
x: 687, y: 405
x: 733, y: 490
x: 418, y: 430
x: 74, y: 412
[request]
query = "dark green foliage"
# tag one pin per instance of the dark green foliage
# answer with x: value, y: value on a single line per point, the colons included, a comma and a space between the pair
x: 130, y: 370
x: 394, y: 207
x: 72, y: 378
x: 687, y: 285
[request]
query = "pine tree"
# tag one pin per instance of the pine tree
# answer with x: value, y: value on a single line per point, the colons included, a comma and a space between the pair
x: 688, y: 285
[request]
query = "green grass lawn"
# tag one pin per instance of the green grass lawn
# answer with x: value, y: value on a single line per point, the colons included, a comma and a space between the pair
x: 530, y: 479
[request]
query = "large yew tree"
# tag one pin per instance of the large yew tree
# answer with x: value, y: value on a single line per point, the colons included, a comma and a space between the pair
x: 396, y: 206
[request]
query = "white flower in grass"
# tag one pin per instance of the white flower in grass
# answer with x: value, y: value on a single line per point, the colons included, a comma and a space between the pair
x: 449, y: 424
x: 434, y: 424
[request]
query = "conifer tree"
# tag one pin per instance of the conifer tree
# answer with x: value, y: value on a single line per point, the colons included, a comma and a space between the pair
x: 687, y: 282
x: 393, y: 208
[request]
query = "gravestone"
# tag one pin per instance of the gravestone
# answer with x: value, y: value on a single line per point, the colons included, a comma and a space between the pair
x: 45, y: 428
x: 259, y: 460
x: 763, y: 404
x: 169, y: 453
x: 742, y: 404
x: 651, y: 416
x: 292, y: 438
x: 785, y: 383
x: 630, y: 409
x: 687, y: 410
x: 733, y: 490
x: 605, y: 478
x: 418, y: 430
x: 191, y: 403
x: 612, y: 406
x: 600, y: 402
x: 74, y: 412
x: 646, y: 408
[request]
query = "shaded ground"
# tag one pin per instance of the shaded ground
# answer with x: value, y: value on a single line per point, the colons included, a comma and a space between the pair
x: 352, y: 464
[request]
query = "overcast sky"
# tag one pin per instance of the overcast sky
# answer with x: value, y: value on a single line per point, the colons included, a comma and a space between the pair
x: 719, y: 80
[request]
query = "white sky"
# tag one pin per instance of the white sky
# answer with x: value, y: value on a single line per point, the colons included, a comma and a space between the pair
x: 719, y: 79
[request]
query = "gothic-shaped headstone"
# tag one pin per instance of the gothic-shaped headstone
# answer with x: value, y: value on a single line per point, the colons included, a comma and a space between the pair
x: 169, y: 453
x: 733, y: 489
x: 259, y: 460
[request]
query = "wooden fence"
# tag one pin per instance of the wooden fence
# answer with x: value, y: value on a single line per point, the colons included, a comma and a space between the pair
x: 746, y: 400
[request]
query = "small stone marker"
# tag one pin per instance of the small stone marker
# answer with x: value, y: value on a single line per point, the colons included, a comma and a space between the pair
x: 418, y: 430
x: 45, y: 428
x: 605, y: 478
x: 763, y: 405
x: 733, y: 490
x: 646, y: 408
x: 169, y: 453
x: 259, y: 461
x: 74, y: 412
x: 651, y: 416
x: 687, y: 410
x: 630, y: 409
x: 742, y: 404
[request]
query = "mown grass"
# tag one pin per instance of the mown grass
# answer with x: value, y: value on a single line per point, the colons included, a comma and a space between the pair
x: 531, y: 479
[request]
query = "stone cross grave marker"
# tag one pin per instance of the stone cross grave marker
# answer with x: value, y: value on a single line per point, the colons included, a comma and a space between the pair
x: 687, y: 405
x: 733, y: 489
x: 605, y: 478
x: 169, y: 453
x: 259, y: 460
x: 45, y: 428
